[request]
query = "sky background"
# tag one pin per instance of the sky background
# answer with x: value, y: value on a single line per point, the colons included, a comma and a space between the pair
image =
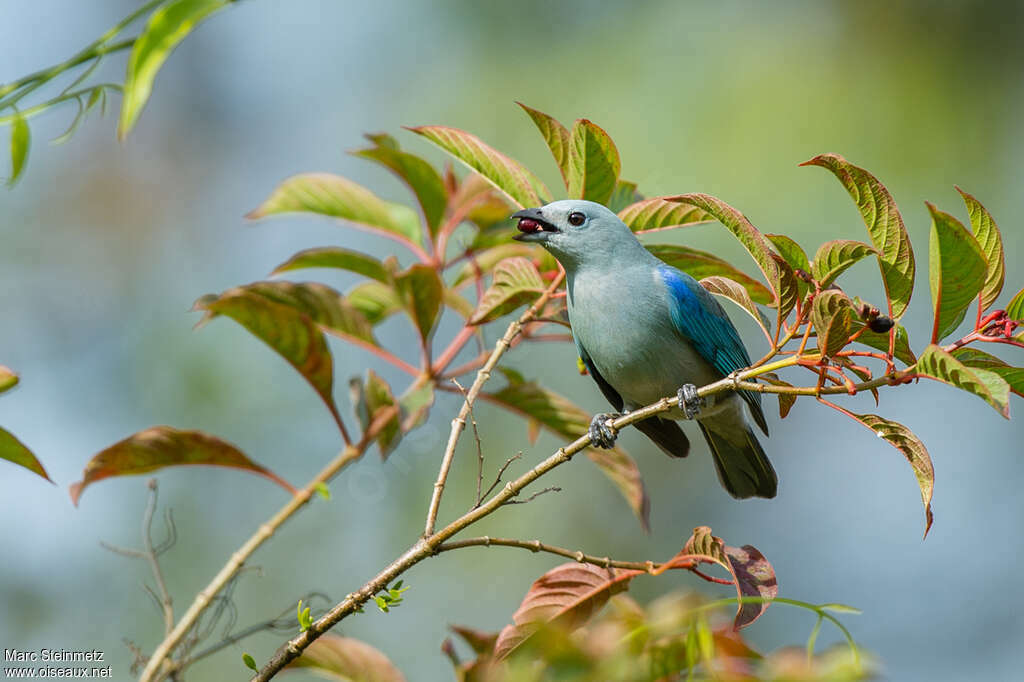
x: 104, y: 247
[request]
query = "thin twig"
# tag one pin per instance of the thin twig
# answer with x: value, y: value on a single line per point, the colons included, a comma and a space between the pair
x: 531, y: 498
x: 497, y: 479
x: 479, y: 446
x: 459, y: 423
x: 155, y: 667
x: 154, y: 563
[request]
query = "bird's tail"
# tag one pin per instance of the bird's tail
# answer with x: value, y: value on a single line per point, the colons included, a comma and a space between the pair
x: 743, y: 468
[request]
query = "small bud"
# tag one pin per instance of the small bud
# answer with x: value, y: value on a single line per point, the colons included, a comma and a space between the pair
x: 881, y: 324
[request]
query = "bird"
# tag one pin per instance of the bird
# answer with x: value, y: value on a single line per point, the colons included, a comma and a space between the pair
x: 643, y: 330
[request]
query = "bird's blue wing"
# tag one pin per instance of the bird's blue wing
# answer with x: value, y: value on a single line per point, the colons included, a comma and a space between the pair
x: 699, y: 318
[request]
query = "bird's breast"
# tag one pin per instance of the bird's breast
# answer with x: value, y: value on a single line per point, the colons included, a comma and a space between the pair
x: 623, y: 322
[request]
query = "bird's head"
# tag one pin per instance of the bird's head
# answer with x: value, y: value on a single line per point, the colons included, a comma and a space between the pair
x: 575, y: 231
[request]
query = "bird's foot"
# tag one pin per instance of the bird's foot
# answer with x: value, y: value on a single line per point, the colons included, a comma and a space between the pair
x: 689, y: 402
x: 602, y: 435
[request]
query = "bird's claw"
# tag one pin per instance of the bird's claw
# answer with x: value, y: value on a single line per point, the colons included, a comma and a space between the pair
x: 689, y: 402
x: 602, y: 435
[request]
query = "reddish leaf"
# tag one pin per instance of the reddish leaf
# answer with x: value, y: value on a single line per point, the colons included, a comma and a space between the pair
x: 566, y: 596
x: 661, y: 213
x: 593, y: 164
x: 884, y: 223
x: 506, y: 174
x: 904, y: 440
x: 556, y: 136
x: 420, y: 176
x: 752, y: 575
x: 347, y: 660
x: 163, y: 446
x: 776, y: 270
x: 991, y: 242
x: 516, y: 283
x: 957, y: 272
x: 289, y: 331
x: 337, y: 197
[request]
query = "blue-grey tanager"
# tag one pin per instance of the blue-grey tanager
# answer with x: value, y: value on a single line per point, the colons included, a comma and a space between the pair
x: 645, y: 330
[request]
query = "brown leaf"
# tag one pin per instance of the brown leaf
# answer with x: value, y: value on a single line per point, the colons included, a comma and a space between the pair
x: 752, y: 575
x: 347, y: 660
x: 163, y: 446
x: 567, y: 596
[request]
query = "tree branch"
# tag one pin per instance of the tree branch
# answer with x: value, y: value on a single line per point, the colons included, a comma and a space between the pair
x: 459, y: 423
x: 157, y: 666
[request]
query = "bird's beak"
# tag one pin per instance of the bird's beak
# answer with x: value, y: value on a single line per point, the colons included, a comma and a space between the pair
x: 532, y: 226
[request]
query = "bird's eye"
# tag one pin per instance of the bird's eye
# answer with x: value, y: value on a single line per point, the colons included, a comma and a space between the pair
x: 576, y: 218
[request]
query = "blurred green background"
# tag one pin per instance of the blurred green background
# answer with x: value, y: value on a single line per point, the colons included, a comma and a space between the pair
x: 103, y: 248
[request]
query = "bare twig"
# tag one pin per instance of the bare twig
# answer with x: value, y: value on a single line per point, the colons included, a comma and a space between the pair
x: 531, y: 498
x: 158, y: 664
x: 497, y: 479
x: 459, y: 423
x: 479, y: 446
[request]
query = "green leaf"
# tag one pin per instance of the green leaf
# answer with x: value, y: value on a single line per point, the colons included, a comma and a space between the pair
x: 556, y: 136
x: 841, y: 608
x: 346, y: 660
x: 421, y: 290
x: 516, y: 283
x: 777, y: 272
x: 735, y: 292
x: 332, y: 195
x: 370, y: 400
x: 322, y: 304
x: 8, y: 379
x: 485, y: 260
x: 752, y: 575
x: 379, y: 398
x: 832, y: 315
x: 885, y: 225
x: 506, y: 174
x: 162, y: 446
x: 593, y: 163
x: 991, y: 242
x: 786, y: 400
x: 415, y: 404
x: 957, y: 272
x: 289, y: 331
x: 20, y: 140
x: 1015, y: 309
x: 562, y: 417
x: 418, y: 174
x: 700, y: 264
x: 661, y: 213
x: 904, y: 440
x: 337, y: 258
x: 13, y: 450
x: 322, y: 490
x: 166, y: 28
x: 623, y: 195
x: 250, y: 662
x: 972, y: 357
x: 793, y: 254
x: 880, y: 342
x: 836, y: 257
x: 936, y: 363
x: 790, y: 251
x: 567, y: 596
x: 375, y: 300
